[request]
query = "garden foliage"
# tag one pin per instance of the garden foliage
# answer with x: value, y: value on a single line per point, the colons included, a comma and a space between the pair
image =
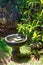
x: 4, y: 48
x: 32, y: 20
x: 29, y: 13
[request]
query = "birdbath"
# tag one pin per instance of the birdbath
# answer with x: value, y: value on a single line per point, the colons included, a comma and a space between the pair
x: 16, y: 41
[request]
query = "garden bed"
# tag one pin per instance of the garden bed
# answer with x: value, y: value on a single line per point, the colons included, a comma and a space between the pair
x: 26, y: 17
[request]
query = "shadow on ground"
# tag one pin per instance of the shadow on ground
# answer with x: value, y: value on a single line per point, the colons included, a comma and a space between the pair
x: 21, y: 58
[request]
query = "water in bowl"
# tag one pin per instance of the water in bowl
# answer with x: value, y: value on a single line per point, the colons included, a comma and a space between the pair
x: 16, y: 39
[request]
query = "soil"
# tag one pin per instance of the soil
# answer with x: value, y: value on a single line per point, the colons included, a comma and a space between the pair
x: 23, y: 63
x: 22, y: 60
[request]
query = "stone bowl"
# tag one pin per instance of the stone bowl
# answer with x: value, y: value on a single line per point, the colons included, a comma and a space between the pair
x: 16, y: 40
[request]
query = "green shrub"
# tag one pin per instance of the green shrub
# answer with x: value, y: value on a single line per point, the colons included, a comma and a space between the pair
x: 32, y: 21
x: 4, y: 48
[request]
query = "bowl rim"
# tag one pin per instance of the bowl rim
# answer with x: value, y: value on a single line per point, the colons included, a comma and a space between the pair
x: 14, y: 42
